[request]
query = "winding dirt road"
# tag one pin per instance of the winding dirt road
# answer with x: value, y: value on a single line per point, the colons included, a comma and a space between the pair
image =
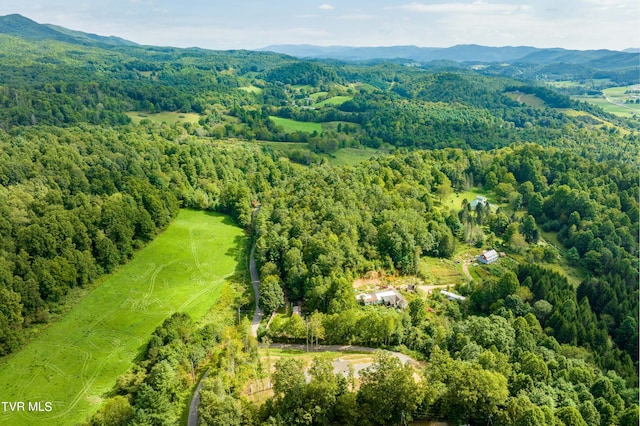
x: 465, y: 269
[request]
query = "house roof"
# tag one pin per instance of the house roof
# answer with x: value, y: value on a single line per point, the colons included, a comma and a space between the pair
x: 490, y: 254
x: 452, y: 295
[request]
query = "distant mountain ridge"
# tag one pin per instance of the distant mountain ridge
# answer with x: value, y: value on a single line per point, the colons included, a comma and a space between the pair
x: 466, y: 53
x: 20, y: 26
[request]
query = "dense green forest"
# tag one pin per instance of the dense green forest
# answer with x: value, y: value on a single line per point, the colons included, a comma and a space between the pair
x: 82, y: 187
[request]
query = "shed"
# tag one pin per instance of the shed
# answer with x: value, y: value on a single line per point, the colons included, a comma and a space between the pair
x: 478, y: 200
x: 452, y: 296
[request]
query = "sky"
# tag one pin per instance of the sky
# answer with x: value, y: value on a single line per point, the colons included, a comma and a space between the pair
x: 252, y: 24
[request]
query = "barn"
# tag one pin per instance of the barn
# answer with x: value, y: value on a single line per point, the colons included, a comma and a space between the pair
x: 488, y: 256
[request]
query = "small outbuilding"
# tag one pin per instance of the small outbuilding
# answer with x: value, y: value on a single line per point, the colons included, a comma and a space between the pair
x: 488, y: 256
x: 453, y: 296
x: 478, y: 200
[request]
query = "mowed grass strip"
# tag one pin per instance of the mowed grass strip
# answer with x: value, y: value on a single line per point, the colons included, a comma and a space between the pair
x: 164, y: 117
x: 75, y: 361
x: 336, y: 100
x: 290, y: 125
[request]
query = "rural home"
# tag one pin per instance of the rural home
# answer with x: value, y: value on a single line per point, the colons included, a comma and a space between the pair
x: 479, y: 200
x: 488, y: 256
x: 387, y: 297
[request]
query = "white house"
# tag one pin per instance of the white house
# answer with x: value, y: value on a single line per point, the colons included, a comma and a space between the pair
x: 386, y: 297
x: 479, y: 200
x: 488, y: 256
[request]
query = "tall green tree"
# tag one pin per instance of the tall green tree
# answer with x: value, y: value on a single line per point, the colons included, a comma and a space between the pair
x: 388, y: 392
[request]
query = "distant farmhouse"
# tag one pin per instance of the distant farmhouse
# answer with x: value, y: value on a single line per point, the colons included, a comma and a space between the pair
x: 487, y: 257
x: 479, y: 200
x: 386, y: 297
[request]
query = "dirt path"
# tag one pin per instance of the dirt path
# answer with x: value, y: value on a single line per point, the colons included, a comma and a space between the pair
x: 465, y: 269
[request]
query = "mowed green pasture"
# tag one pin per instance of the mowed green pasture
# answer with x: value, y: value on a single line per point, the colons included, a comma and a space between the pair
x: 164, y: 117
x: 316, y: 95
x: 74, y: 362
x: 336, y: 100
x: 351, y: 156
x: 296, y: 126
x: 610, y: 107
x: 617, y: 100
x: 527, y: 99
x: 251, y: 89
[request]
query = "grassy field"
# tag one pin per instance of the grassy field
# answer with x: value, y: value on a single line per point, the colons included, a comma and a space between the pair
x: 600, y: 121
x: 342, y: 157
x: 297, y: 126
x: 529, y: 100
x: 75, y: 361
x: 441, y: 271
x: 575, y: 275
x: 163, y: 117
x: 351, y: 156
x: 317, y: 95
x: 616, y: 103
x: 336, y: 100
x: 285, y: 148
x: 366, y: 87
x: 251, y: 89
x: 619, y: 110
x: 454, y: 201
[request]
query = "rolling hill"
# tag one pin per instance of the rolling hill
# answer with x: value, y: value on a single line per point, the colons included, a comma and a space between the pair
x: 20, y: 26
x: 602, y: 59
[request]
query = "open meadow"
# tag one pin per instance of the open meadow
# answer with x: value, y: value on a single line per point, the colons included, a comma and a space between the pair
x: 290, y: 125
x: 336, y: 100
x: 164, y: 117
x: 75, y: 361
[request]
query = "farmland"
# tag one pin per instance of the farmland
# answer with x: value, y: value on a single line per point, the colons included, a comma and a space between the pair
x: 74, y: 362
x: 336, y: 100
x: 296, y: 126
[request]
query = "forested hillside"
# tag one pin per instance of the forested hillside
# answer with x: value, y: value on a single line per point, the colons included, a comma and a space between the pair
x: 90, y: 173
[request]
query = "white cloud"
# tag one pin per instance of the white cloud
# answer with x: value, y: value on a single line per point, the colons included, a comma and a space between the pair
x: 475, y: 7
x: 356, y: 17
x: 326, y: 6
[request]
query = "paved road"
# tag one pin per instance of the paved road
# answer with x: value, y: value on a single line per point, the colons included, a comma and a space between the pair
x: 257, y: 316
x: 195, y: 403
x: 611, y: 101
x: 255, y: 323
x: 255, y: 280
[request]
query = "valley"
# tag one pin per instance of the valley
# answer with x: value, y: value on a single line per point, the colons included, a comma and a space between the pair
x: 75, y: 361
